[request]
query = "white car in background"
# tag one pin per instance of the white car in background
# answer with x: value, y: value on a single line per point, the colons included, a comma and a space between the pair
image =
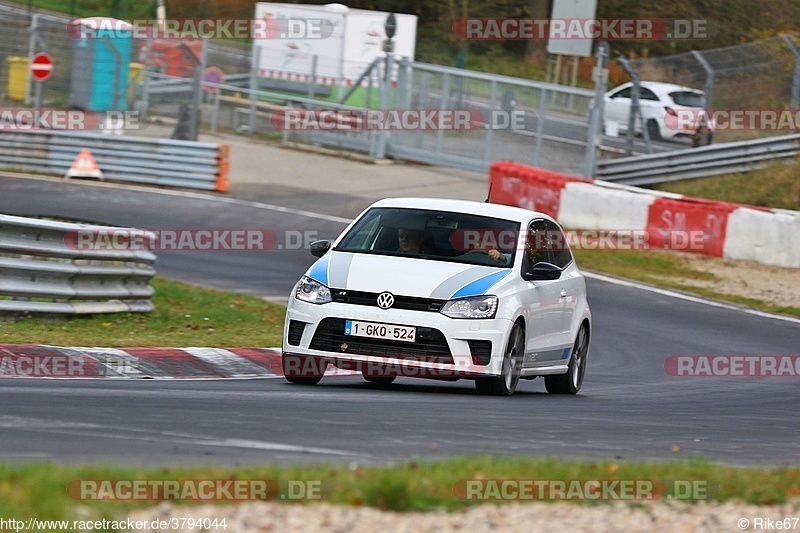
x: 491, y: 293
x: 660, y: 104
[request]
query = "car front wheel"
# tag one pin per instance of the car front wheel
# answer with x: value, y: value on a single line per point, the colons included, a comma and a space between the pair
x: 570, y: 383
x: 303, y: 370
x: 506, y: 384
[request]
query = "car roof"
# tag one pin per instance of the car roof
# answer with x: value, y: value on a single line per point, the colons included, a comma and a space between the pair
x: 659, y: 87
x: 507, y: 212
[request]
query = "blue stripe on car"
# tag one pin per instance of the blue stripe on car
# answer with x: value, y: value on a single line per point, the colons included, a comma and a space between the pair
x: 481, y: 285
x: 566, y: 353
x: 319, y: 271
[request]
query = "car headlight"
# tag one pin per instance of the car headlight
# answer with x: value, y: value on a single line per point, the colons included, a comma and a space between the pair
x: 312, y: 291
x: 474, y: 307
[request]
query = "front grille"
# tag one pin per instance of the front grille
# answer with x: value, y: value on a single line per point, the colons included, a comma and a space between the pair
x: 296, y: 329
x: 429, y: 344
x: 410, y: 303
x: 481, y: 352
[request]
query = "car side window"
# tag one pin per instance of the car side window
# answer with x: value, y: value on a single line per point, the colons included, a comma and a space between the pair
x: 624, y: 93
x: 647, y: 94
x: 536, y: 247
x: 557, y: 245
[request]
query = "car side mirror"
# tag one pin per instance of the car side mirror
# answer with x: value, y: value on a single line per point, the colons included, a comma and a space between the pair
x: 542, y: 272
x: 320, y: 248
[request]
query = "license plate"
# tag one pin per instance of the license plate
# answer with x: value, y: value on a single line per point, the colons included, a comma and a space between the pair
x: 375, y: 330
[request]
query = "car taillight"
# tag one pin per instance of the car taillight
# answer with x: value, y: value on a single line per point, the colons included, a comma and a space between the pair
x: 671, y: 111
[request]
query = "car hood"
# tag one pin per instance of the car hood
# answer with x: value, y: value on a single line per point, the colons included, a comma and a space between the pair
x: 404, y: 276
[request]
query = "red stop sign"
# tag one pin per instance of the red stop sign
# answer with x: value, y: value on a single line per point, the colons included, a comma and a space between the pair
x: 41, y: 66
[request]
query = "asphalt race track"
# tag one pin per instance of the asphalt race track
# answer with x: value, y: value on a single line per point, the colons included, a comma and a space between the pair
x: 629, y: 406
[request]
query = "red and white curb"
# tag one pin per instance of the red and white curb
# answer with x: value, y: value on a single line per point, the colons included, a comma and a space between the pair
x: 39, y: 361
x: 732, y: 231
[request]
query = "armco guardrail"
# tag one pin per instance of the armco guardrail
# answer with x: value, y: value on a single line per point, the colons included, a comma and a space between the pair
x: 698, y: 162
x: 41, y: 273
x: 167, y: 162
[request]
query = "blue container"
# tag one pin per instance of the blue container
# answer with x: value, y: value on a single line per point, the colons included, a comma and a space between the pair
x: 102, y: 51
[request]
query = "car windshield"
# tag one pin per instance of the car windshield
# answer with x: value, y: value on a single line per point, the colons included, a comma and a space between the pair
x: 688, y: 99
x: 434, y: 235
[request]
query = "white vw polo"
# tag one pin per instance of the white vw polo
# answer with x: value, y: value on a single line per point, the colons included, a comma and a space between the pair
x: 442, y: 289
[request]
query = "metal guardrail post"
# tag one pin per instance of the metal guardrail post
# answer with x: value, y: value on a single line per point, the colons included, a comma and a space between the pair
x: 796, y: 76
x: 32, y: 38
x: 386, y: 95
x: 444, y: 104
x: 595, y: 116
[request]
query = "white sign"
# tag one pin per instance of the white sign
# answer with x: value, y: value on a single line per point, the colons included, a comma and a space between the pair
x: 570, y: 10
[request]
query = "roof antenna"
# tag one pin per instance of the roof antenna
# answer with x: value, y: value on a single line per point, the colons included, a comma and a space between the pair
x: 489, y: 194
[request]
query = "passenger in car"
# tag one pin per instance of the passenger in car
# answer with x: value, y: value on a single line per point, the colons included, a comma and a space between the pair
x: 409, y: 241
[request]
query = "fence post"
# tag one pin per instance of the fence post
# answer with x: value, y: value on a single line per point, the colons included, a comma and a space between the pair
x: 444, y: 104
x: 254, y: 70
x: 709, y: 76
x: 312, y: 83
x: 145, y: 101
x: 796, y: 77
x: 386, y: 96
x: 487, y: 151
x: 636, y: 110
x: 32, y: 38
x: 537, y: 149
x: 595, y: 115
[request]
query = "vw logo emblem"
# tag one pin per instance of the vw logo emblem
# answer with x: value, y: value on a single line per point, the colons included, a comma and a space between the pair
x: 385, y: 300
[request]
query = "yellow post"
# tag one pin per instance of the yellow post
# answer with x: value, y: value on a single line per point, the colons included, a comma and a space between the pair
x: 17, y: 68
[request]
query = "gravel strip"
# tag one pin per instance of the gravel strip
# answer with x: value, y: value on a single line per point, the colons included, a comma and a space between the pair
x: 527, y: 517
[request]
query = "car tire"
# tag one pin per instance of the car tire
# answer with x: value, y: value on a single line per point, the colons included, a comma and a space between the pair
x: 506, y: 384
x: 380, y: 380
x: 308, y: 374
x: 570, y: 383
x: 653, y: 130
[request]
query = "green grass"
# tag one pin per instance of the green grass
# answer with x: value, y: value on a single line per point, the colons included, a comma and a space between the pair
x: 777, y: 185
x: 665, y: 270
x: 40, y: 490
x: 185, y: 315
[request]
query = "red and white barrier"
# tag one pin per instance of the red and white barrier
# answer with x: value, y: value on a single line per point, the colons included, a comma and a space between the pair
x: 720, y: 229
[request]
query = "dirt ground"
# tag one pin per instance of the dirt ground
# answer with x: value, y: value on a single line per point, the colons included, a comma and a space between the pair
x: 775, y: 285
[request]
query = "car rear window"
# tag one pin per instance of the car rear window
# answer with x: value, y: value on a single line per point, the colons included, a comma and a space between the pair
x: 688, y: 98
x: 443, y: 236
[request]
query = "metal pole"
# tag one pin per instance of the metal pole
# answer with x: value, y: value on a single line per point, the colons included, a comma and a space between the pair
x: 254, y: 71
x: 635, y: 110
x: 595, y: 115
x: 796, y: 77
x: 145, y: 103
x: 38, y: 103
x: 383, y: 136
x: 487, y: 150
x: 443, y: 105
x: 709, y: 77
x: 312, y: 82
x: 574, y: 81
x: 215, y: 114
x: 537, y: 150
x: 31, y: 52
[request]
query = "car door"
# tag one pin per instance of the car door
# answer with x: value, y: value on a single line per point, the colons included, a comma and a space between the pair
x: 570, y: 280
x: 651, y: 107
x: 617, y: 106
x: 544, y: 304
